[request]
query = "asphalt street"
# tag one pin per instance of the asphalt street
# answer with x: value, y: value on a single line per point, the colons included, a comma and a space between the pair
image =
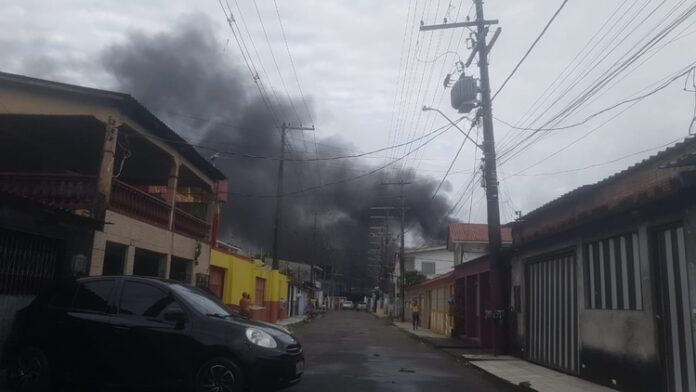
x: 354, y: 351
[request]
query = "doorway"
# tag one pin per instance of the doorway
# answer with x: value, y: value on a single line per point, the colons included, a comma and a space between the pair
x: 114, y: 259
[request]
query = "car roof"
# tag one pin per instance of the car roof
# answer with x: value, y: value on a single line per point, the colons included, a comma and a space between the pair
x: 159, y: 281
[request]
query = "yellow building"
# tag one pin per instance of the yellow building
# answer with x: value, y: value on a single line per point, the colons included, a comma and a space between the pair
x: 232, y: 274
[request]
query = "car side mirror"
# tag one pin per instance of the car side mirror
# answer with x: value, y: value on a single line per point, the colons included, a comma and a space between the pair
x: 175, y: 315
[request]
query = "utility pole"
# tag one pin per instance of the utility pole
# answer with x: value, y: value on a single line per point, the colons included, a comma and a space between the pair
x: 402, y: 256
x: 488, y: 147
x: 279, y: 187
x: 314, y: 250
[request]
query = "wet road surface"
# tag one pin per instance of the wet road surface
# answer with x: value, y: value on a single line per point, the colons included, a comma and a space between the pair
x: 355, y: 351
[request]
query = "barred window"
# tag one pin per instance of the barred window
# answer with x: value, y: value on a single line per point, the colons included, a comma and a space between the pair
x: 612, y: 274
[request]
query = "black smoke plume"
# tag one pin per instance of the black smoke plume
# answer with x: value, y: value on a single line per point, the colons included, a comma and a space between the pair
x: 202, y: 90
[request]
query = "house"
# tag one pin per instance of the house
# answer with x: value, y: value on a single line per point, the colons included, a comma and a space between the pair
x: 603, y: 278
x: 39, y: 244
x: 430, y: 261
x: 102, y: 155
x: 304, y: 285
x: 232, y: 274
x: 436, y: 299
x: 468, y: 241
x: 474, y: 321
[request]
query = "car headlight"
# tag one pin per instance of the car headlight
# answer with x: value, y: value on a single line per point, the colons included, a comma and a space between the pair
x: 260, y: 338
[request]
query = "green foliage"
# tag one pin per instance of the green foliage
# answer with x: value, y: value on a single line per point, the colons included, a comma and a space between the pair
x: 413, y: 277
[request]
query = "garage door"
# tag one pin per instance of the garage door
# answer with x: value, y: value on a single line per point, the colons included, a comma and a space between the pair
x: 679, y: 339
x: 552, y: 312
x: 28, y: 263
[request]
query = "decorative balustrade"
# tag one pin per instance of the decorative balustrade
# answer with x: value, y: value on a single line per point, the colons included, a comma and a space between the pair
x: 75, y: 192
x: 66, y: 191
x: 189, y: 225
x: 137, y: 204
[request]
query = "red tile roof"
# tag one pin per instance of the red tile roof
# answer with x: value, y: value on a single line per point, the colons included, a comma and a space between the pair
x: 475, y: 232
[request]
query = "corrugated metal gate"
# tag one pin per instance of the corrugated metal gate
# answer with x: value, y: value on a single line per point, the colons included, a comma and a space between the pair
x: 552, y: 312
x: 27, y: 264
x: 680, y: 350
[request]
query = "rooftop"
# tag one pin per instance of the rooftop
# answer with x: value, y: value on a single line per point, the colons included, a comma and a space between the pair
x: 475, y: 232
x: 129, y: 105
x: 651, y: 179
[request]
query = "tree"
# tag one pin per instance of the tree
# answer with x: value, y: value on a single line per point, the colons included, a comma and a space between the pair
x: 413, y: 277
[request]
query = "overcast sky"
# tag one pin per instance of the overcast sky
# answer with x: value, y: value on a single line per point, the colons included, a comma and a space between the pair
x: 366, y: 71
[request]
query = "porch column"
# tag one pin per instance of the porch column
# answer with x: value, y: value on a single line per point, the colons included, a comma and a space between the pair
x: 172, y: 185
x: 130, y: 259
x: 165, y: 266
x: 106, y: 169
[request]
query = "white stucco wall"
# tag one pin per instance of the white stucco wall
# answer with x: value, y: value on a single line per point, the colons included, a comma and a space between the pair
x: 134, y: 233
x: 443, y: 259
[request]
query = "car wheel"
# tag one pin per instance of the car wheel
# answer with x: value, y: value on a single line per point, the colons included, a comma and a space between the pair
x: 219, y: 375
x: 29, y: 371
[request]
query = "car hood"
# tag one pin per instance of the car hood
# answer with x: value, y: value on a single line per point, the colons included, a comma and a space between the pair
x: 272, y: 329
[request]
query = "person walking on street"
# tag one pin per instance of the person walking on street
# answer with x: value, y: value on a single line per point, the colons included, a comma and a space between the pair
x: 245, y: 304
x: 415, y: 314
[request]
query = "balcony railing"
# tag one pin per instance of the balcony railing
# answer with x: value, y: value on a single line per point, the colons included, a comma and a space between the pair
x: 76, y: 192
x: 69, y: 191
x: 139, y: 205
x: 189, y: 225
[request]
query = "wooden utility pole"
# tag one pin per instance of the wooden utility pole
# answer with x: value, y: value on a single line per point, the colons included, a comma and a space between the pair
x: 488, y: 147
x: 279, y: 188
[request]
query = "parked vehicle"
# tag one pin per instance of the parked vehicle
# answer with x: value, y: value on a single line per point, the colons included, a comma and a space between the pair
x: 362, y: 306
x: 146, y: 332
x: 347, y: 305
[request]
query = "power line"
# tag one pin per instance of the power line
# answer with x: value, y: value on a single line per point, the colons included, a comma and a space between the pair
x: 349, y: 179
x: 599, y: 164
x: 292, y: 63
x: 519, y: 63
x: 607, y: 109
x: 333, y: 158
x: 403, y: 117
x: 247, y: 59
x: 618, y: 67
x: 280, y: 74
x: 454, y: 160
x: 430, y: 119
x: 560, y: 79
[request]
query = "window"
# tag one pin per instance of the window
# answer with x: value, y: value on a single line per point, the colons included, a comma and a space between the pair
x: 141, y: 299
x: 260, y: 288
x: 428, y: 268
x: 93, y: 296
x: 180, y: 269
x: 147, y: 263
x: 612, y: 274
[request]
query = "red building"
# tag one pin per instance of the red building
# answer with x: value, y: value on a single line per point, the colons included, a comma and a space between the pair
x: 474, y: 320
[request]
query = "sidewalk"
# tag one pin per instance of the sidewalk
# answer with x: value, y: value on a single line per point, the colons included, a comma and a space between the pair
x: 291, y: 320
x: 514, y: 370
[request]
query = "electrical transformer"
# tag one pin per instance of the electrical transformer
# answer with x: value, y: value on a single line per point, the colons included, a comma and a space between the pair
x: 464, y: 93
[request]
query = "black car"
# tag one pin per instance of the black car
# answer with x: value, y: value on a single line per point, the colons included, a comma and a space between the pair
x: 126, y: 331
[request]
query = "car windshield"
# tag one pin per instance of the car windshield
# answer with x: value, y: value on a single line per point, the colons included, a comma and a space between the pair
x: 202, y: 301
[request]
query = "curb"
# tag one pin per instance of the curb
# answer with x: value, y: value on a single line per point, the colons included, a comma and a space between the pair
x: 466, y: 362
x: 425, y: 341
